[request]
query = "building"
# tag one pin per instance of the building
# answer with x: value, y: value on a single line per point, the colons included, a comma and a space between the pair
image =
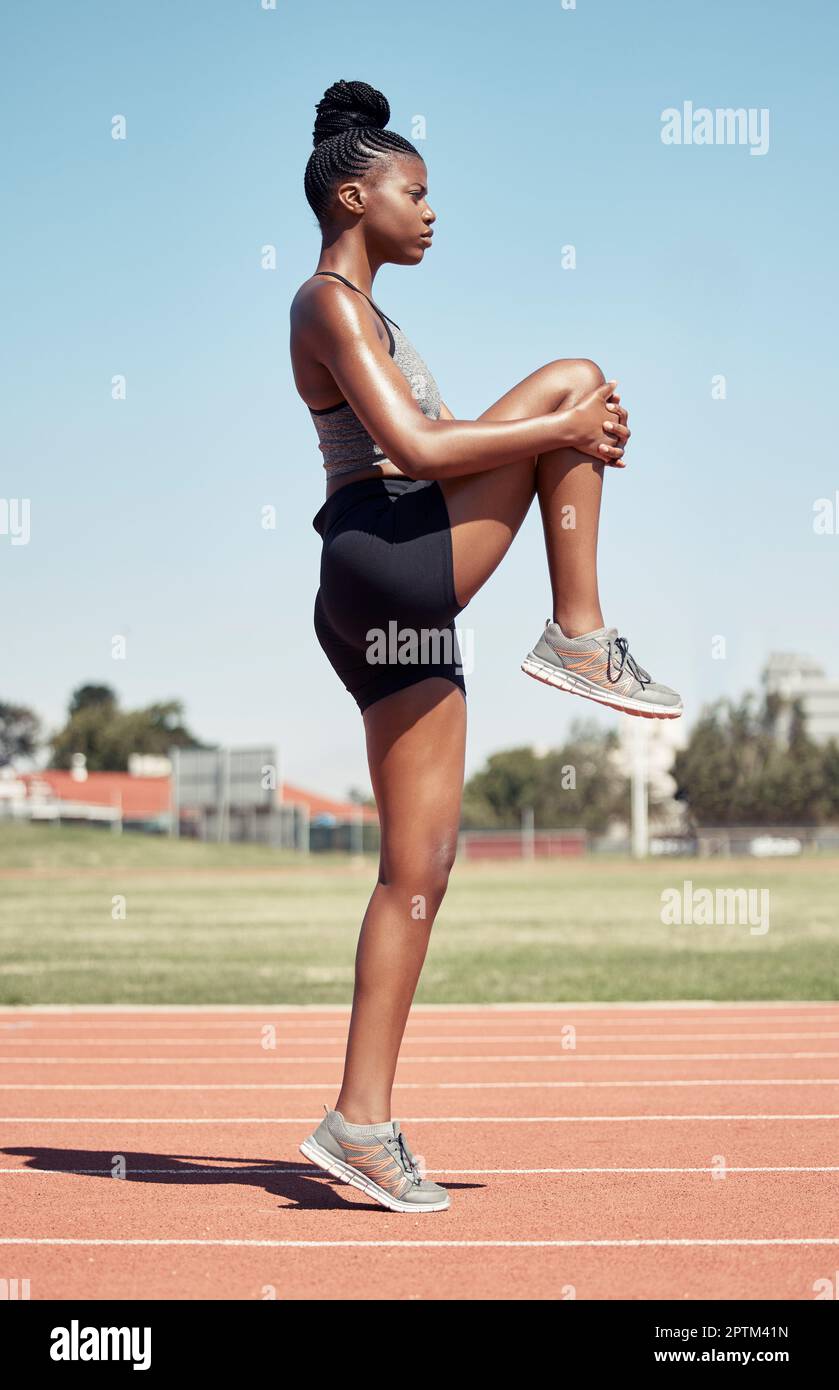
x: 792, y: 676
x: 333, y: 824
x: 651, y: 745
x: 141, y: 799
x: 241, y: 794
x: 118, y: 799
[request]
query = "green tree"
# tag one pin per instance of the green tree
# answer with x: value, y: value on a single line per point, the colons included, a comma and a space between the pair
x: 748, y: 765
x: 90, y: 696
x: 831, y: 778
x: 20, y: 732
x: 576, y: 784
x: 108, y: 735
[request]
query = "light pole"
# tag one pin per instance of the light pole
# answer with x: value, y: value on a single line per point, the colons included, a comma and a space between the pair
x: 640, y: 830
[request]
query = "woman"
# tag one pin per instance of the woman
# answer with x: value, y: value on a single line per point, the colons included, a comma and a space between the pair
x: 420, y: 510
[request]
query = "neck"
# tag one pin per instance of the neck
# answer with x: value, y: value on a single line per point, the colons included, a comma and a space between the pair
x: 350, y: 258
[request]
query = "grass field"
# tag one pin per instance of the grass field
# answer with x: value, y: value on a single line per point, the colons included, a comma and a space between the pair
x: 244, y: 924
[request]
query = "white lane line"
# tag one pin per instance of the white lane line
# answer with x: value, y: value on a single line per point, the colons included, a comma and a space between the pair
x: 311, y: 1025
x: 433, y: 1244
x: 416, y: 1036
x: 568, y: 1057
x: 450, y: 1172
x: 255, y: 1041
x: 714, y: 1007
x: 94, y: 1120
x: 414, y: 1085
x: 20, y: 1041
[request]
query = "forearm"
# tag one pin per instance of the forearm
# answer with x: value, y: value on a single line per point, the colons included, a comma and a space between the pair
x: 449, y: 448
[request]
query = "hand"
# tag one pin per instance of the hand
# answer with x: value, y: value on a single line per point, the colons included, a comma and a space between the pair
x: 585, y: 425
x: 621, y: 417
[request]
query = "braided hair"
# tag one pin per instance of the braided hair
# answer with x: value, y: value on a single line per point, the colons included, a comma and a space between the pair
x: 349, y: 136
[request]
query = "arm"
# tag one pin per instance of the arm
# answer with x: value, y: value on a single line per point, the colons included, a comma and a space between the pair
x: 342, y: 336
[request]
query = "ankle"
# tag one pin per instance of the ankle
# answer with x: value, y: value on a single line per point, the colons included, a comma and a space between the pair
x: 363, y: 1115
x: 578, y: 623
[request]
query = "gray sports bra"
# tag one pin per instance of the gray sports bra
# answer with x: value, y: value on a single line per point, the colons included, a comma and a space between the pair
x: 344, y: 442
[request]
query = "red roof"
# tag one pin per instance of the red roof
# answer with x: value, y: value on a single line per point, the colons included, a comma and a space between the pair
x: 147, y: 797
x: 317, y: 804
x: 142, y: 797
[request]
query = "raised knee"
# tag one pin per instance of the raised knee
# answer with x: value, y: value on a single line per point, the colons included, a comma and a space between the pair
x: 583, y: 375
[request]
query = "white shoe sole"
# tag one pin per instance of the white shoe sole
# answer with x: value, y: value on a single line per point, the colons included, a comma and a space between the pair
x: 313, y: 1151
x: 578, y: 685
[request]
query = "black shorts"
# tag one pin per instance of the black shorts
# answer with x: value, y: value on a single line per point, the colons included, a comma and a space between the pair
x: 384, y: 613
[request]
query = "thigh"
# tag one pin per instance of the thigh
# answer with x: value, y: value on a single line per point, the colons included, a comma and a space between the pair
x: 487, y: 509
x: 416, y: 751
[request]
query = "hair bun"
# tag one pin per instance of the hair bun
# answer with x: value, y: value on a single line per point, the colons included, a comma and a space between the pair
x: 348, y: 105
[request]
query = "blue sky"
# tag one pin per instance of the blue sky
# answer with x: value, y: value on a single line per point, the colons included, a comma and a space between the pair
x: 142, y: 257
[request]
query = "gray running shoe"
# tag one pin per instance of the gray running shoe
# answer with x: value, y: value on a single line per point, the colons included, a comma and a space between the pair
x: 599, y: 667
x: 380, y: 1164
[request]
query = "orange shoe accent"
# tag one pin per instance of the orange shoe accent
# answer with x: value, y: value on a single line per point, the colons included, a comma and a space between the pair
x: 378, y: 1164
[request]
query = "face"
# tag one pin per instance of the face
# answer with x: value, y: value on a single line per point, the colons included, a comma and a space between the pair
x: 398, y: 217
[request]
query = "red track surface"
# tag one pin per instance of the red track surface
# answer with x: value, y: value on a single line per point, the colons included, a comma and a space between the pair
x: 590, y: 1171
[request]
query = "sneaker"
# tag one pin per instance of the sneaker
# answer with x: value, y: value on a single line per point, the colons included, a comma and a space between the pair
x: 599, y: 667
x: 376, y: 1159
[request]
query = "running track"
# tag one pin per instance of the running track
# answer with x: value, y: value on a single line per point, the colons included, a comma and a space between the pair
x: 672, y: 1151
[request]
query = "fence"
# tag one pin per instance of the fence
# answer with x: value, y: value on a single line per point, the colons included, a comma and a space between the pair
x: 62, y: 813
x: 765, y: 840
x: 281, y: 827
x: 522, y: 844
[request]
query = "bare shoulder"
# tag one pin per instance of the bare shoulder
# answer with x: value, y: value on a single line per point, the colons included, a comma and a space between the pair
x: 304, y: 309
x: 319, y: 300
x: 324, y: 308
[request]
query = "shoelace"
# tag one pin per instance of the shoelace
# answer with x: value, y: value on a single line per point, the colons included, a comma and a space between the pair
x: 643, y: 677
x: 408, y: 1158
